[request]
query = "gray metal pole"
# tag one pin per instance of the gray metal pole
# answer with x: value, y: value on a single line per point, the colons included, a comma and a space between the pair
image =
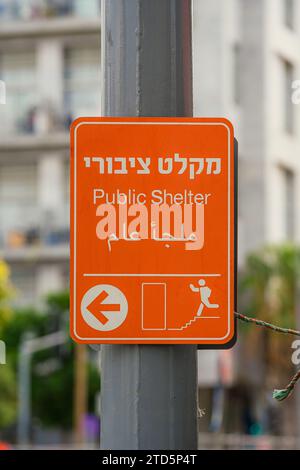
x: 29, y: 346
x: 149, y: 392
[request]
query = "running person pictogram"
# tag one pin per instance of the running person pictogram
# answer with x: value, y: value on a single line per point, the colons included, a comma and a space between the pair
x: 205, y: 293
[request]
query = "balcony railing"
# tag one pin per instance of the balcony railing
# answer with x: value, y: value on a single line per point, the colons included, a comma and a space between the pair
x: 35, y: 120
x: 39, y: 120
x: 30, y: 10
x: 46, y: 229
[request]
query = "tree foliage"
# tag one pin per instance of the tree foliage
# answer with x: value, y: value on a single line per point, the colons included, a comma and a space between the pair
x: 270, y: 283
x: 52, y: 369
x: 6, y: 292
x: 269, y: 291
x: 7, y: 373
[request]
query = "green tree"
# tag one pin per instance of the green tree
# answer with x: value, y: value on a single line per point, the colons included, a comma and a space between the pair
x: 8, y: 396
x: 7, y: 372
x: 268, y: 291
x: 52, y: 390
x: 268, y: 285
x: 6, y: 292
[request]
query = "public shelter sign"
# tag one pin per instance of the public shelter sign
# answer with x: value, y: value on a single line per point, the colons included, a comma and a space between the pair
x: 152, y: 231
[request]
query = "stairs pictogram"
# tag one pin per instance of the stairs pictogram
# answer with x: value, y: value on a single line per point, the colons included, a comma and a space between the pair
x: 187, y: 324
x: 196, y: 317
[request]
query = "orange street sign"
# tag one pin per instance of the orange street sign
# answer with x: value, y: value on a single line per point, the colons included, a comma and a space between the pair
x: 152, y: 231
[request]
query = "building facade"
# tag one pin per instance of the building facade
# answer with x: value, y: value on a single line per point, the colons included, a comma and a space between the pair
x: 246, y: 56
x: 50, y: 64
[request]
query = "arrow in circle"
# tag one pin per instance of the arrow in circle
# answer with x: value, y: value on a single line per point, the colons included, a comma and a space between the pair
x: 97, y: 307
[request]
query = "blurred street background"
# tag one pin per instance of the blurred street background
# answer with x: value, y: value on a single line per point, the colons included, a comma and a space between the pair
x: 246, y: 56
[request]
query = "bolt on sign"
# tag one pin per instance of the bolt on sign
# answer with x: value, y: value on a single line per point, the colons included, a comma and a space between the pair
x: 152, y: 231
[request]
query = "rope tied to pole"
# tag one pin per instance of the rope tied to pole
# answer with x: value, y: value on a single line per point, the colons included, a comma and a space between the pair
x: 284, y: 393
x: 278, y: 329
x: 281, y: 395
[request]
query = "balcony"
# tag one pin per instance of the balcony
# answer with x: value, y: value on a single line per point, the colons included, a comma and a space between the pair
x: 39, y: 127
x: 35, y: 242
x: 35, y: 254
x: 30, y: 18
x: 36, y: 10
x: 33, y: 143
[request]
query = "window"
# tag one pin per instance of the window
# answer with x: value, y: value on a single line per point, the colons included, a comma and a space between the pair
x: 30, y: 10
x: 82, y: 83
x: 237, y: 74
x: 289, y: 203
x: 17, y: 70
x: 18, y: 210
x: 288, y: 76
x: 66, y: 209
x: 24, y: 281
x: 289, y: 12
x: 89, y: 8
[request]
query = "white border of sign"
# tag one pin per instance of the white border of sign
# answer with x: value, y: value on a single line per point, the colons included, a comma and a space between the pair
x: 145, y: 123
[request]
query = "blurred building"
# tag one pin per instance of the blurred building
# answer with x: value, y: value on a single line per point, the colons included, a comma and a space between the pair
x: 50, y: 62
x: 246, y: 56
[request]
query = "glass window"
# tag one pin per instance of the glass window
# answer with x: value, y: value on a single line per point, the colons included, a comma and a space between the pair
x: 237, y: 73
x: 18, y: 211
x: 289, y: 11
x: 89, y: 8
x: 288, y: 77
x: 82, y: 83
x: 289, y: 203
x: 18, y: 72
x: 24, y: 282
x: 35, y: 9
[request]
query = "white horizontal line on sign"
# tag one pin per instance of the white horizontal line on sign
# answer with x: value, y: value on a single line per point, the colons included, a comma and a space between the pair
x: 148, y: 275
